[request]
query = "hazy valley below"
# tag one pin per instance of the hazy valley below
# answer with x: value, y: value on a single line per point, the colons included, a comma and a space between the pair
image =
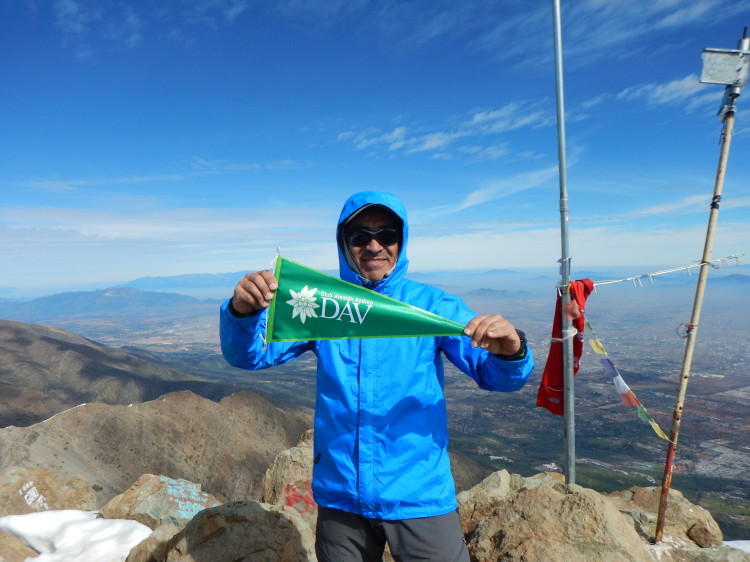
x: 158, y: 342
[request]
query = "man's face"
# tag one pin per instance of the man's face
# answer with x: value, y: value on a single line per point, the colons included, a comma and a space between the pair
x: 374, y: 259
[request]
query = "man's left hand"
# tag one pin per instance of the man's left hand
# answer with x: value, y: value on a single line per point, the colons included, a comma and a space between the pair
x: 493, y: 333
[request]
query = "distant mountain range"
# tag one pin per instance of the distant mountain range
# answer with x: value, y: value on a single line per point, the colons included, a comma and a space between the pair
x: 138, y: 309
x: 187, y: 281
x: 120, y: 300
x: 214, y: 287
x: 532, y: 282
x: 485, y: 293
x: 736, y: 279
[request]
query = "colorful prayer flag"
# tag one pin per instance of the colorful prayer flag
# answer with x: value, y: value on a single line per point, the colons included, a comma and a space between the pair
x: 597, y: 346
x: 310, y: 305
x: 627, y: 396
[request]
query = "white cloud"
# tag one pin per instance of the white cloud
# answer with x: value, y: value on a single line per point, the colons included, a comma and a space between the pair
x: 393, y: 140
x: 68, y: 185
x: 668, y: 92
x: 503, y: 188
x: 59, y: 248
x: 741, y: 129
x: 438, y: 140
x: 154, y: 224
x: 445, y: 141
x: 593, y: 30
x: 690, y: 204
x: 588, y: 104
x: 687, y: 13
x: 482, y: 153
x: 130, y: 30
x: 197, y: 167
x: 502, y: 114
x: 72, y: 17
x: 470, y: 249
x: 507, y: 29
x: 67, y: 246
x: 235, y: 8
x: 85, y: 21
x: 81, y: 20
x: 416, y: 24
x: 507, y: 246
x: 509, y: 118
x: 688, y: 92
x: 732, y: 203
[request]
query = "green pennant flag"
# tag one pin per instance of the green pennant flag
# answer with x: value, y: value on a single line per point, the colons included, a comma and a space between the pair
x: 310, y: 305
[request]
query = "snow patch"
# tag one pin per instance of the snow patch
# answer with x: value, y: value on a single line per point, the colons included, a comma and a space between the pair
x: 75, y: 536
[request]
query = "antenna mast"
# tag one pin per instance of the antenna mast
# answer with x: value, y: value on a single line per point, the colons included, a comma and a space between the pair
x: 567, y: 342
x: 728, y: 67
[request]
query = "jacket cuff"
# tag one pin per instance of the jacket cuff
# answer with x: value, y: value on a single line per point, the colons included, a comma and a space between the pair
x: 233, y: 312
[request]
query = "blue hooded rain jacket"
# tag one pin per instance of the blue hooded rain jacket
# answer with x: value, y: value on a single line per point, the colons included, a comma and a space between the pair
x: 381, y: 434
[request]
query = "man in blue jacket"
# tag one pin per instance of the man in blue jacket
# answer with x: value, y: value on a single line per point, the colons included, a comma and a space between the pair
x: 381, y: 467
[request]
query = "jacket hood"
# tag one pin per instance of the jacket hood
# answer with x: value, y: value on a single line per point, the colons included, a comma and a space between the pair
x: 355, y: 204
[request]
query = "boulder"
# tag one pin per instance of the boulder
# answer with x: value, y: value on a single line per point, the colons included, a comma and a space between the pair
x: 541, y: 517
x: 244, y: 531
x: 12, y: 549
x: 481, y: 500
x: 27, y: 490
x: 685, y: 524
x: 154, y: 547
x: 666, y: 552
x: 159, y: 500
x: 287, y: 482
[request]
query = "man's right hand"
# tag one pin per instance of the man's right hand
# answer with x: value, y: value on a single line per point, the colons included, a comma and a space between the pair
x: 254, y: 292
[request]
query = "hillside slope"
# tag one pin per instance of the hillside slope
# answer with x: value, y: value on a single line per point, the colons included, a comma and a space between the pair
x: 226, y: 446
x: 44, y: 370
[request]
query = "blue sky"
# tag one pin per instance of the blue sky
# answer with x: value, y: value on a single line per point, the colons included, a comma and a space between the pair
x: 161, y: 138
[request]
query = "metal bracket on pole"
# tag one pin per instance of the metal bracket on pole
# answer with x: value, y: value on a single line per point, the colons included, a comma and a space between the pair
x: 730, y: 68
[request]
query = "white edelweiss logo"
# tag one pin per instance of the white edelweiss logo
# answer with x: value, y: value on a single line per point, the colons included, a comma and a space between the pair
x: 304, y: 303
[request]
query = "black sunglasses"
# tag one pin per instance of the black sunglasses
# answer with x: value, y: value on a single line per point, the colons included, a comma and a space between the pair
x: 387, y: 236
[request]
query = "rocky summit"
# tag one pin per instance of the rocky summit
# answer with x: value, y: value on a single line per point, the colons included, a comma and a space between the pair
x: 85, y: 456
x: 504, y: 517
x: 270, y: 514
x: 229, y: 478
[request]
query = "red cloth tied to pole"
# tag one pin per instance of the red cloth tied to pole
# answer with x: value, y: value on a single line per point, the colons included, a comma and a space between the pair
x: 552, y: 389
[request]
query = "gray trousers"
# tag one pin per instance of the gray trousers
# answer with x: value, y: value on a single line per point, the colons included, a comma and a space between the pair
x: 347, y: 537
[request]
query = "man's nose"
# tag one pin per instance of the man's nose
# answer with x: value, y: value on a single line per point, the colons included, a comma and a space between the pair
x: 373, y: 245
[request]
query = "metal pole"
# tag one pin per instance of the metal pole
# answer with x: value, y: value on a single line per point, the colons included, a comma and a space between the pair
x: 692, y: 331
x: 567, y: 343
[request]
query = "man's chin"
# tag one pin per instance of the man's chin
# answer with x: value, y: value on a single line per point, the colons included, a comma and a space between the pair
x: 374, y: 273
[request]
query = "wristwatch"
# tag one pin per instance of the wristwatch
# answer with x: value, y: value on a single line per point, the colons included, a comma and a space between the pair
x: 520, y: 354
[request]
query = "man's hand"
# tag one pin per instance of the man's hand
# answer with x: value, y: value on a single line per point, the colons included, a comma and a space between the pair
x: 493, y: 333
x: 254, y: 292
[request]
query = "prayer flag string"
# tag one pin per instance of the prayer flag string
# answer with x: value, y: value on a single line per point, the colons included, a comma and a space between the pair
x: 623, y: 390
x: 638, y: 279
